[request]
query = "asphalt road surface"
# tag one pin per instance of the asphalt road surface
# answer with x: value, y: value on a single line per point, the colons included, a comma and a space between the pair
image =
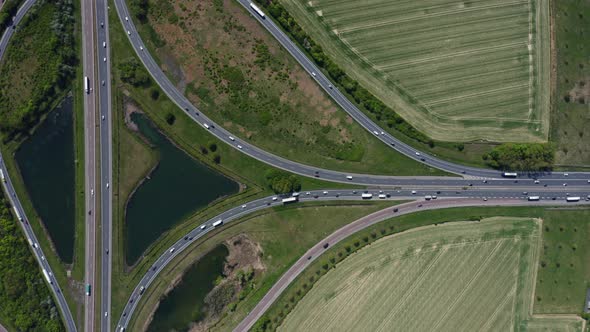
x: 445, y: 198
x: 106, y: 153
x: 310, y: 171
x: 89, y: 160
x: 15, y: 202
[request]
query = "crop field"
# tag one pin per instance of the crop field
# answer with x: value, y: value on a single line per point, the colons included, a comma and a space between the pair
x: 457, y: 276
x: 456, y: 70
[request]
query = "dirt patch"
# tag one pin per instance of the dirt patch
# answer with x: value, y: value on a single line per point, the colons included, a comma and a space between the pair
x: 242, y: 264
x: 581, y: 92
x: 131, y: 107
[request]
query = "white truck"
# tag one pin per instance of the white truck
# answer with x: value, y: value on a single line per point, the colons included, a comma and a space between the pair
x: 573, y: 199
x: 218, y: 223
x: 509, y: 174
x: 18, y: 216
x: 2, y: 176
x: 291, y: 199
x: 257, y: 10
x: 534, y: 198
x: 86, y: 84
x: 366, y: 196
x: 46, y: 275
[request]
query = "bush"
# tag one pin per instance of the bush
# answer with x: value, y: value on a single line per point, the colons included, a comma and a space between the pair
x: 282, y: 182
x: 217, y: 159
x: 155, y: 94
x: 132, y: 72
x: 170, y: 118
x: 526, y: 157
x: 212, y: 147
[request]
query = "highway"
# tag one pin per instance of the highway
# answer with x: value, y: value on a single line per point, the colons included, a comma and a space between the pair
x: 314, y: 252
x: 469, y: 173
x: 106, y: 153
x: 471, y: 197
x: 88, y: 63
x: 15, y: 202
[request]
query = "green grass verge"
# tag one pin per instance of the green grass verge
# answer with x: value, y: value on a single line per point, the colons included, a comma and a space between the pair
x: 189, y: 136
x: 569, y: 119
x: 558, y: 289
x: 284, y: 233
x: 244, y: 80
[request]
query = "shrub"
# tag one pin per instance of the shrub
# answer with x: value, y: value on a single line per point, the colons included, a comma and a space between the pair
x: 170, y: 118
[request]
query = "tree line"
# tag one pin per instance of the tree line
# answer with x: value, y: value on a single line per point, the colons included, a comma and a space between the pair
x: 26, y: 303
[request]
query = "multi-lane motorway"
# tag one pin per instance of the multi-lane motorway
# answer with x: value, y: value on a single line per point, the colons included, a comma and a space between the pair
x: 88, y: 63
x: 106, y: 153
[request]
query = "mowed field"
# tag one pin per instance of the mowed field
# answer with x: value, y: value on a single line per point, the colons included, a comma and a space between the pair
x: 458, y: 276
x: 456, y: 70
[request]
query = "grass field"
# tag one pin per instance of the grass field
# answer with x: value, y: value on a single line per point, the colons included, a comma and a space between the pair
x: 455, y: 70
x: 236, y: 73
x: 457, y: 276
x: 283, y: 234
x: 562, y: 276
x: 570, y: 127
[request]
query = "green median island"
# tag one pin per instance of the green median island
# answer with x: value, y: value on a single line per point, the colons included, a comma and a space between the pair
x: 177, y: 186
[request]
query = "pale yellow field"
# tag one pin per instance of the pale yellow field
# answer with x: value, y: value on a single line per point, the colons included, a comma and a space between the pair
x: 455, y: 70
x: 457, y: 277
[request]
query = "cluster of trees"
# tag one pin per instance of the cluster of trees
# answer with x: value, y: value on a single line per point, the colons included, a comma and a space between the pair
x: 362, y: 97
x: 282, y: 182
x: 527, y: 157
x: 132, y: 72
x: 9, y: 10
x: 47, y: 41
x: 140, y: 8
x: 25, y: 301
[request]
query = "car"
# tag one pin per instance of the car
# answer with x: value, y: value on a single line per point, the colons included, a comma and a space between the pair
x: 92, y: 192
x: 419, y: 205
x: 525, y: 193
x: 295, y: 194
x: 354, y: 192
x: 141, y: 48
x: 536, y: 181
x: 330, y: 86
x: 274, y: 198
x: 124, y: 314
x: 107, y: 251
x: 231, y: 138
x: 239, y: 146
x: 190, y: 238
x: 417, y: 153
x: 589, y: 181
x: 565, y: 174
x: 413, y: 192
x: 438, y: 192
x: 471, y: 184
x: 154, y: 268
x: 326, y: 245
x: 565, y: 184
x: 126, y: 18
x: 102, y: 117
x: 107, y: 184
x: 308, y: 193
x: 42, y: 257
x: 203, y: 226
x: 131, y: 301
x: 308, y: 257
x: 172, y: 250
x: 186, y: 238
x: 325, y: 193
x: 313, y: 73
x: 104, y: 59
x: 102, y: 24
x: 434, y: 197
x: 128, y: 32
x: 316, y: 196
x: 338, y: 195
x: 485, y: 181
x: 545, y: 185
x: 485, y: 199
x: 376, y: 132
x: 392, y: 144
x: 102, y: 83
x: 422, y: 159
x: 553, y: 198
x: 106, y: 313
x: 382, y: 133
x: 395, y: 210
x: 244, y: 206
x: 104, y: 44
x: 348, y: 177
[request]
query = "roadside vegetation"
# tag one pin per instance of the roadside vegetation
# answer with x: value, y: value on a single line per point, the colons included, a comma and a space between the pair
x: 37, y: 72
x: 570, y: 128
x: 26, y: 303
x: 9, y: 9
x: 261, y: 246
x: 561, y: 280
x: 237, y: 74
x: 133, y: 159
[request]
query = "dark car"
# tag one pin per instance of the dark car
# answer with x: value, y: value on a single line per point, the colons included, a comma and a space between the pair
x: 395, y: 210
x: 326, y: 245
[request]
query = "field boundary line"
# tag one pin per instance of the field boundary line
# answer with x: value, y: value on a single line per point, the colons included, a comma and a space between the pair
x: 477, y: 94
x: 469, y: 283
x: 429, y: 16
x: 512, y: 292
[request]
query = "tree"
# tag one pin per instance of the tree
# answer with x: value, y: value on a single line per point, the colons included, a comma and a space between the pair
x: 170, y: 118
x: 527, y: 157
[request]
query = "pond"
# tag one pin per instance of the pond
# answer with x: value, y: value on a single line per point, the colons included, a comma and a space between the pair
x: 46, y: 163
x: 176, y: 188
x: 185, y: 303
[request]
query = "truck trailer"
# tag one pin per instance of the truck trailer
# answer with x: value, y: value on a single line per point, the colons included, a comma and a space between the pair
x: 291, y: 199
x: 257, y: 10
x: 218, y: 223
x: 46, y: 275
